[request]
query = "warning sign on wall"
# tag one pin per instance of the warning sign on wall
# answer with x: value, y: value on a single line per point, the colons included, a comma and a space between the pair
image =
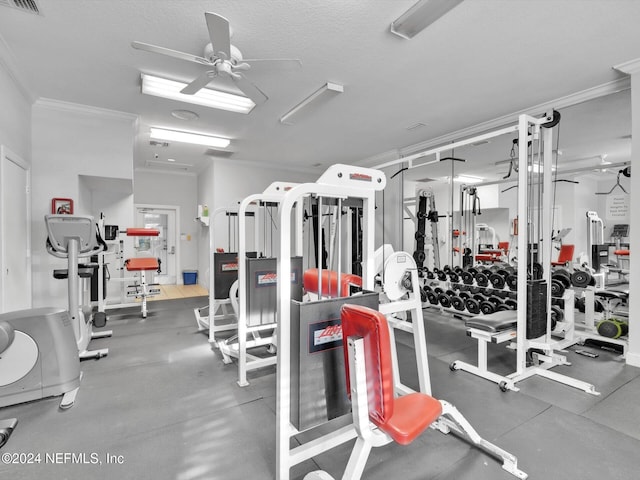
x: 618, y: 207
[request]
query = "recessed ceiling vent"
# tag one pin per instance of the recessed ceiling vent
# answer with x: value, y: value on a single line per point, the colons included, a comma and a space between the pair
x: 156, y: 143
x: 30, y: 6
x: 168, y: 165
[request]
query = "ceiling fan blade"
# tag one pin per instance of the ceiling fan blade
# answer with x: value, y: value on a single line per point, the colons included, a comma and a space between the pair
x: 147, y: 47
x: 294, y: 62
x: 219, y: 34
x: 199, y: 83
x: 249, y: 89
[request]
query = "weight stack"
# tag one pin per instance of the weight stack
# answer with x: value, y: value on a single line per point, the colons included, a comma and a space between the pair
x: 536, y: 308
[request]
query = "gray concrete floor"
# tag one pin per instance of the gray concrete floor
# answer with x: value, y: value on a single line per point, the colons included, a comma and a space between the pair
x: 164, y: 406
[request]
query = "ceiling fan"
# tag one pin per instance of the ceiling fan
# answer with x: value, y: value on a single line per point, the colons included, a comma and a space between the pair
x: 222, y: 58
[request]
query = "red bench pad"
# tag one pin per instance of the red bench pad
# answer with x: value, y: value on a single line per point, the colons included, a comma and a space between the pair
x: 622, y: 253
x: 138, y: 264
x: 402, y: 418
x: 142, y: 232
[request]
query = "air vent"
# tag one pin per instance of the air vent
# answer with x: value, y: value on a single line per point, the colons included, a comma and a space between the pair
x: 168, y: 165
x: 30, y: 6
x: 425, y: 180
x: 212, y: 152
x: 156, y: 143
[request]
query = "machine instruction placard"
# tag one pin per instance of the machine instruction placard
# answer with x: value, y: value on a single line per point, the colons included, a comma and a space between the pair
x: 618, y: 207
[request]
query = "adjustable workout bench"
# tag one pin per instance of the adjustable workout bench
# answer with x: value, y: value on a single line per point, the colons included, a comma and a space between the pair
x: 378, y: 416
x: 142, y: 265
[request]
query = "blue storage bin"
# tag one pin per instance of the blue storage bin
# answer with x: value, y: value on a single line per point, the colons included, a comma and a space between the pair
x: 190, y: 277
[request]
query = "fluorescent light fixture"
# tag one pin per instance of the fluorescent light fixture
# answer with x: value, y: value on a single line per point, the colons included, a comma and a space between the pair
x: 187, y: 137
x: 325, y: 90
x: 207, y: 97
x: 467, y: 179
x: 420, y: 16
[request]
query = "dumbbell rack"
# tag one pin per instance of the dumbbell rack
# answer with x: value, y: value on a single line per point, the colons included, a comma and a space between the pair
x: 481, y: 290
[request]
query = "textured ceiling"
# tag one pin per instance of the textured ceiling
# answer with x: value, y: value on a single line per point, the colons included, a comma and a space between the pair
x: 484, y: 59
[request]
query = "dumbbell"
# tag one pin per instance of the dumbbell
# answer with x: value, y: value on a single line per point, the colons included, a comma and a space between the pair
x: 582, y: 279
x: 612, y: 328
x: 497, y: 279
x: 598, y: 306
x: 482, y: 279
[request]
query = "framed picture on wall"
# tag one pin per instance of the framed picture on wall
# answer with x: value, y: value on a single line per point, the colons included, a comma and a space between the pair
x: 62, y: 206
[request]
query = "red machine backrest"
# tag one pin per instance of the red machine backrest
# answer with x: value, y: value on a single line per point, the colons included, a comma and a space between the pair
x: 503, y: 246
x: 371, y: 325
x: 566, y: 253
x: 330, y: 282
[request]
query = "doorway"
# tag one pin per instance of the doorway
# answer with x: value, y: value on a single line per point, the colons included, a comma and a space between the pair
x: 164, y: 218
x: 15, y: 232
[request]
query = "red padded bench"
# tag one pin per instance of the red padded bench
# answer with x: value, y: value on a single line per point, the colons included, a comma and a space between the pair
x: 379, y: 416
x: 142, y: 264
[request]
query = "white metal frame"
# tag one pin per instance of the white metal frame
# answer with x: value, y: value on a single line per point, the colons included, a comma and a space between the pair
x: 549, y: 359
x: 339, y: 181
x: 140, y: 288
x: 274, y: 193
x: 222, y: 314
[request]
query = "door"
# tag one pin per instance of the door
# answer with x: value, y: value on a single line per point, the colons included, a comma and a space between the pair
x: 15, y: 232
x: 164, y: 246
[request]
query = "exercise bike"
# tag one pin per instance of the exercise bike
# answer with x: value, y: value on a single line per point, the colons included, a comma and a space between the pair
x: 72, y: 237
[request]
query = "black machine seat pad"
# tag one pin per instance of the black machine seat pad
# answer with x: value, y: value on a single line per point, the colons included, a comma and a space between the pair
x: 611, y: 294
x: 494, y: 322
x: 83, y: 272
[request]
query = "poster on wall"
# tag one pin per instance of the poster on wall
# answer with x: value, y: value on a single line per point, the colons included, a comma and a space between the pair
x: 62, y: 206
x: 618, y: 208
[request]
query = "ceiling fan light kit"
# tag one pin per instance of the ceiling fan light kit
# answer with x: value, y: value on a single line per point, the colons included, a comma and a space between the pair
x: 328, y: 89
x: 420, y: 16
x: 207, y: 97
x: 221, y: 59
x: 188, y: 137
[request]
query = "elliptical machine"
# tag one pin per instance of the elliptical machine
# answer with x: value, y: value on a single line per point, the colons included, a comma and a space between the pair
x: 38, y: 359
x: 72, y: 237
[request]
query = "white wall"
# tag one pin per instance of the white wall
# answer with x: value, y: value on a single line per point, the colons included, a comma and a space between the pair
x: 69, y: 141
x: 15, y: 114
x: 160, y: 188
x: 15, y: 134
x: 205, y: 197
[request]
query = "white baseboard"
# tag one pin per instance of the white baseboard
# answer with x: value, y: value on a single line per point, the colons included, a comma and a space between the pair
x: 633, y: 359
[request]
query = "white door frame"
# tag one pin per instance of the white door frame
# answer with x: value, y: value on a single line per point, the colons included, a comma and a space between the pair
x: 7, y: 155
x: 175, y: 208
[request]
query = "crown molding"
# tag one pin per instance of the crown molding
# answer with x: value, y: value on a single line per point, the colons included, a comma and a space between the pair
x: 630, y: 67
x: 62, y: 106
x: 582, y: 96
